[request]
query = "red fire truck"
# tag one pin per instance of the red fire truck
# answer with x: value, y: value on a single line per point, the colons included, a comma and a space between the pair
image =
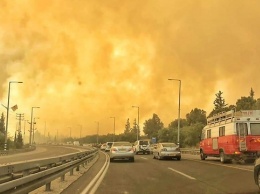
x: 232, y: 135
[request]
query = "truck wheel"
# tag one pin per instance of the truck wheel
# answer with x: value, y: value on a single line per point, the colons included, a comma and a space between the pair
x: 223, y: 158
x: 202, y: 155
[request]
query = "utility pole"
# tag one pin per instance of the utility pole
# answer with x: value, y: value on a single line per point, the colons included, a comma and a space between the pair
x: 19, y: 117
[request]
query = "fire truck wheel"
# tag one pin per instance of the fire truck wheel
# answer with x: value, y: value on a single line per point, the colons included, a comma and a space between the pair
x: 223, y: 158
x: 202, y: 155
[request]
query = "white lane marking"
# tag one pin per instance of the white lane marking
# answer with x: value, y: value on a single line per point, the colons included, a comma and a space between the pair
x: 100, y: 175
x: 190, y: 177
x: 143, y: 158
x: 221, y: 165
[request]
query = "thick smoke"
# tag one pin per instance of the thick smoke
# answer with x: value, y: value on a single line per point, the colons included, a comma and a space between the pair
x: 86, y: 61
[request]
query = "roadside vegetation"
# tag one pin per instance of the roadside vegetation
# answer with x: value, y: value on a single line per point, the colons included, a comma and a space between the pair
x: 153, y: 128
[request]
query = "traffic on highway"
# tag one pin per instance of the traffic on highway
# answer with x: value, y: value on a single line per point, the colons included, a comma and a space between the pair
x: 148, y: 174
x: 129, y: 97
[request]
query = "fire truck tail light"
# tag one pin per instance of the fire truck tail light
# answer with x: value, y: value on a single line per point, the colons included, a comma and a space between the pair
x: 237, y: 153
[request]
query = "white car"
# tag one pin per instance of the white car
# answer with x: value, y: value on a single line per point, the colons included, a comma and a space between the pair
x: 142, y: 146
x: 108, y: 146
x: 167, y: 150
x: 103, y: 147
x: 122, y: 150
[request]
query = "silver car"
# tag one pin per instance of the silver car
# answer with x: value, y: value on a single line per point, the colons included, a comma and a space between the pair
x: 121, y: 150
x: 167, y: 150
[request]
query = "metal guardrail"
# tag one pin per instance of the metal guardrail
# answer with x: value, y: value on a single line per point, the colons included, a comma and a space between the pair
x: 24, y: 177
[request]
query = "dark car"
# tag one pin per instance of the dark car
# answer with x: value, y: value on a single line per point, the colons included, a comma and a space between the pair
x: 257, y: 172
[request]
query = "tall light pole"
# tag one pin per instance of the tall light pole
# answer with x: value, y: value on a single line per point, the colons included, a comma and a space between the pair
x: 137, y: 133
x: 97, y: 130
x: 179, y: 110
x: 7, y: 115
x: 114, y: 127
x: 32, y: 123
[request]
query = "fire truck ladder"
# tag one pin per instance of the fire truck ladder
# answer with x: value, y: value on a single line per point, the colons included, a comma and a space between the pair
x: 242, y: 138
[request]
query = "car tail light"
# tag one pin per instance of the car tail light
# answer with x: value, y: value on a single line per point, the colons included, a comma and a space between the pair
x: 114, y: 150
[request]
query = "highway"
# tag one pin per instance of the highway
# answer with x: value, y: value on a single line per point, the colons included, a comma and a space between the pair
x: 151, y: 176
x: 190, y: 175
x: 42, y: 151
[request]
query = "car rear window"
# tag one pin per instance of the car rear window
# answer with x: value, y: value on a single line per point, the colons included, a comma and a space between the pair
x: 169, y: 145
x: 143, y: 143
x: 110, y: 144
x: 122, y: 144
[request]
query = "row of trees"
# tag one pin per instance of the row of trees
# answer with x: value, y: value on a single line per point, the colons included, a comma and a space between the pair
x: 190, y: 126
x: 15, y: 143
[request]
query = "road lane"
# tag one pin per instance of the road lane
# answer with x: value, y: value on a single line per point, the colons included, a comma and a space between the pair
x: 42, y: 151
x: 148, y: 176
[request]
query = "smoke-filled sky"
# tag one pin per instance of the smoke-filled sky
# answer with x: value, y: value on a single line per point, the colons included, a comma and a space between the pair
x: 83, y: 62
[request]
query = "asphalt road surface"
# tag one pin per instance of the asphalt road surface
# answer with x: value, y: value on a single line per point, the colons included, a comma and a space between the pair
x: 190, y: 175
x: 151, y: 176
x: 42, y: 151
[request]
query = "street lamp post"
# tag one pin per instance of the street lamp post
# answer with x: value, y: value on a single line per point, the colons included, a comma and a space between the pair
x: 114, y: 127
x: 7, y: 115
x: 137, y: 133
x: 32, y: 124
x: 179, y: 110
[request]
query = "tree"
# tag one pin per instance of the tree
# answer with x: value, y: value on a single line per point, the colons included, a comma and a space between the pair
x: 18, y: 140
x: 247, y: 103
x: 2, y: 131
x: 2, y: 124
x: 127, y: 127
x: 219, y: 103
x: 152, y: 126
x: 174, y: 124
x: 134, y: 129
x: 164, y: 135
x: 196, y: 116
x: 190, y: 135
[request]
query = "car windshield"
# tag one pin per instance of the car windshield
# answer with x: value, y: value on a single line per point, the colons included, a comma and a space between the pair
x: 121, y: 144
x: 169, y: 145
